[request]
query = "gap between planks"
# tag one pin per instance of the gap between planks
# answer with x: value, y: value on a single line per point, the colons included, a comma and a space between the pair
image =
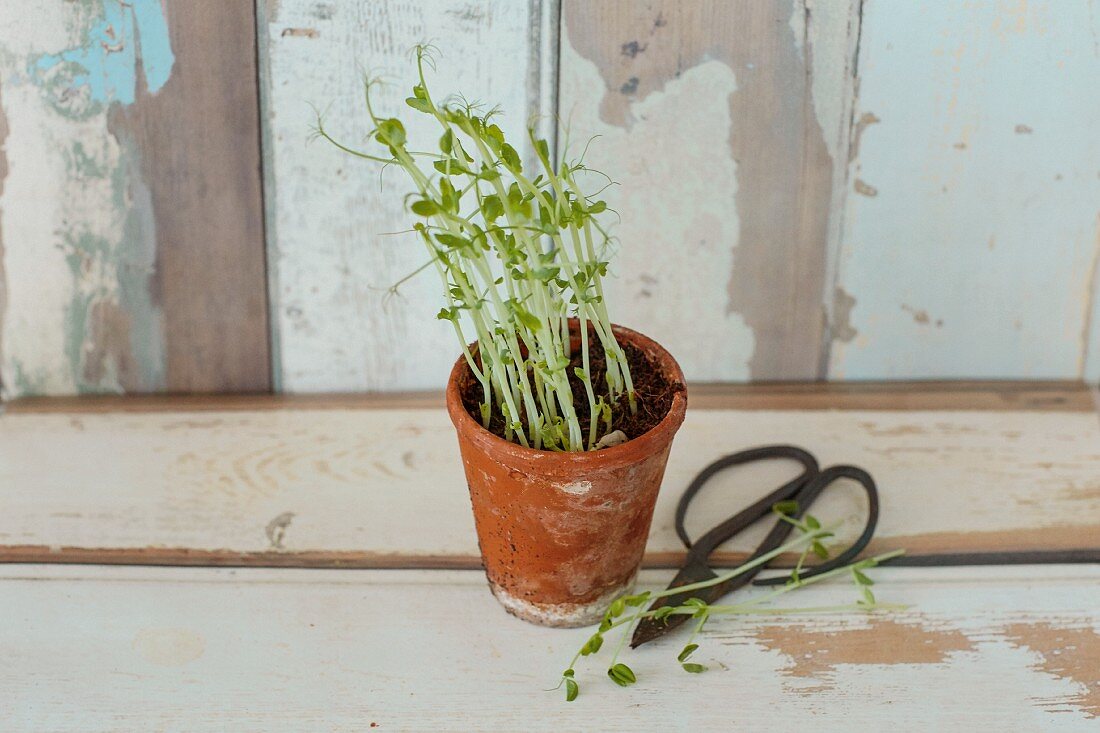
x: 928, y: 546
x: 1046, y: 396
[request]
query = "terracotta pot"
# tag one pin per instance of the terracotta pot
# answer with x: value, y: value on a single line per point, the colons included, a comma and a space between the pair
x: 562, y: 534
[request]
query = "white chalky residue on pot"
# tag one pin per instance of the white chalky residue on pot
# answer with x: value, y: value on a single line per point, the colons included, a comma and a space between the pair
x: 567, y: 615
x: 577, y: 488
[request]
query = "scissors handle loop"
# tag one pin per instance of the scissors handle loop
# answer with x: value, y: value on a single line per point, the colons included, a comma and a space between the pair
x: 738, y: 522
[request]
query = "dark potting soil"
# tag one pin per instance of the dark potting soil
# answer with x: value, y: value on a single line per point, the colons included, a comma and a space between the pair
x: 652, y: 392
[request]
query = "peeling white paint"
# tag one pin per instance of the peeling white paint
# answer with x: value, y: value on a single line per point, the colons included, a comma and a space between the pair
x: 67, y: 200
x: 328, y: 218
x: 677, y: 200
x: 832, y: 34
x: 951, y: 82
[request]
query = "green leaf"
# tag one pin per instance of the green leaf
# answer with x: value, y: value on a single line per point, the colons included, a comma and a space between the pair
x: 638, y: 599
x: 568, y: 673
x: 420, y: 105
x: 447, y: 193
x: 693, y: 667
x: 598, y: 207
x: 446, y: 141
x: 491, y: 207
x: 583, y: 376
x: 546, y: 274
x: 788, y: 507
x: 811, y: 522
x: 424, y: 207
x: 868, y: 596
x: 391, y: 132
x: 592, y: 645
x: 420, y: 92
x: 622, y: 675
x: 687, y: 652
x: 528, y: 320
x: 617, y: 608
x: 493, y: 132
x: 510, y: 157
x: 663, y: 612
x: 861, y: 578
x: 820, y: 550
x: 450, y: 167
x: 572, y: 689
x: 451, y: 241
x: 542, y: 148
x: 446, y: 314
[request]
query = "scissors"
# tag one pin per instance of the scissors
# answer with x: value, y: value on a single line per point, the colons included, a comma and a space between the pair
x: 804, y: 489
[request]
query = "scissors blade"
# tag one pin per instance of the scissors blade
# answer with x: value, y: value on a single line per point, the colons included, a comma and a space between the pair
x: 694, y: 571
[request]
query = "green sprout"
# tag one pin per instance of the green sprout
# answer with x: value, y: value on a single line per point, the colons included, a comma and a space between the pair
x: 811, y: 538
x: 518, y: 253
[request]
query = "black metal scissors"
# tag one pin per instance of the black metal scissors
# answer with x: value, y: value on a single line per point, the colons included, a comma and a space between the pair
x: 803, y: 490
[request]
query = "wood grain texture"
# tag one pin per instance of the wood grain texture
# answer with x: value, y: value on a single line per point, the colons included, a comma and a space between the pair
x: 725, y: 123
x: 131, y: 219
x: 275, y: 650
x: 352, y: 486
x: 972, y: 233
x: 199, y: 143
x: 336, y: 327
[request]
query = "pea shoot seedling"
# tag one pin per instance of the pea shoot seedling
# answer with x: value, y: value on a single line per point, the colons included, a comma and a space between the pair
x: 626, y: 611
x: 479, y: 214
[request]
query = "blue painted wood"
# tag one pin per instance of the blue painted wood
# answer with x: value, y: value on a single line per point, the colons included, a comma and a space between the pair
x: 131, y: 239
x: 971, y: 234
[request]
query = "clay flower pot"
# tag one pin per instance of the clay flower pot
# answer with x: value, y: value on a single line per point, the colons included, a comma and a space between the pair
x: 562, y: 534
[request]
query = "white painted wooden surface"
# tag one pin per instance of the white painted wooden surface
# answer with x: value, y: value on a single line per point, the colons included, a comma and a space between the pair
x: 330, y: 262
x: 141, y: 649
x: 725, y: 125
x: 76, y: 232
x: 131, y: 229
x: 972, y: 232
x: 371, y: 483
x: 933, y: 194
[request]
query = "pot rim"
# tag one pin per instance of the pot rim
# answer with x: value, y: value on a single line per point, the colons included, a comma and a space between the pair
x: 652, y: 440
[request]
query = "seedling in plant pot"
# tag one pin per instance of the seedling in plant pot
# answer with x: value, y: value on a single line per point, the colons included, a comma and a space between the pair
x: 564, y: 419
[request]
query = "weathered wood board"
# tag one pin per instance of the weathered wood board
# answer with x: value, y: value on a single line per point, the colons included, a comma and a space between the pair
x: 336, y: 326
x: 1007, y: 649
x: 972, y: 230
x: 329, y: 484
x: 726, y: 125
x: 131, y: 232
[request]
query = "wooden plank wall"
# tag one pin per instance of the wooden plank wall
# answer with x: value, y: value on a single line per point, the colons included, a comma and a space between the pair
x: 856, y: 189
x: 724, y: 123
x: 972, y: 235
x: 131, y: 236
x: 337, y: 327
